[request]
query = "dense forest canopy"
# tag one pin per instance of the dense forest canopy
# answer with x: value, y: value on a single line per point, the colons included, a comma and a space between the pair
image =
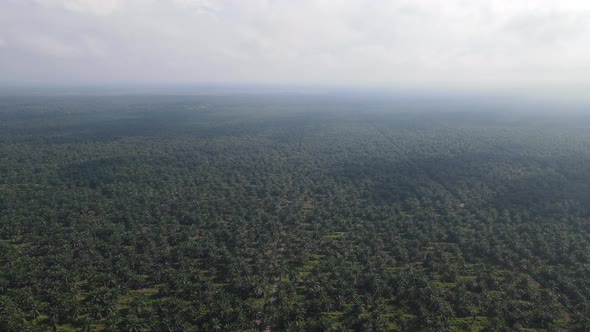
x: 290, y: 213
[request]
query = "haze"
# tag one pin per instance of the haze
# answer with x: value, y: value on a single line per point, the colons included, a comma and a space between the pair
x: 529, y: 45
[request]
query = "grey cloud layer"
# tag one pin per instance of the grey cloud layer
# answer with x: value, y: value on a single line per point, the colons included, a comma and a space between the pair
x: 303, y: 41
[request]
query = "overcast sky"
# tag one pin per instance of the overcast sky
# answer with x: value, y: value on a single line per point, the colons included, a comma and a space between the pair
x: 358, y: 42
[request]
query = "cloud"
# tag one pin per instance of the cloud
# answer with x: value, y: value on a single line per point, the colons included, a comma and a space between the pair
x: 93, y: 46
x: 95, y: 7
x: 48, y: 45
x: 199, y: 6
x: 305, y: 41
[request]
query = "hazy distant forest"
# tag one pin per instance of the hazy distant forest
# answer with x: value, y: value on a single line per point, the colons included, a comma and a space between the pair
x: 291, y: 213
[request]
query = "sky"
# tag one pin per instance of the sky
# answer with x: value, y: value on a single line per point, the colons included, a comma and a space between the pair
x: 540, y: 43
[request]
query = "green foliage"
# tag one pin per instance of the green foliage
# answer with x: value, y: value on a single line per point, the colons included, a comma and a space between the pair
x: 238, y: 213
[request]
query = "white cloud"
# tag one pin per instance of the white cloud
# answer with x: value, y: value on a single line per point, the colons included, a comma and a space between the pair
x: 308, y: 41
x: 96, y: 7
x: 199, y: 6
x: 92, y: 46
x: 48, y: 45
